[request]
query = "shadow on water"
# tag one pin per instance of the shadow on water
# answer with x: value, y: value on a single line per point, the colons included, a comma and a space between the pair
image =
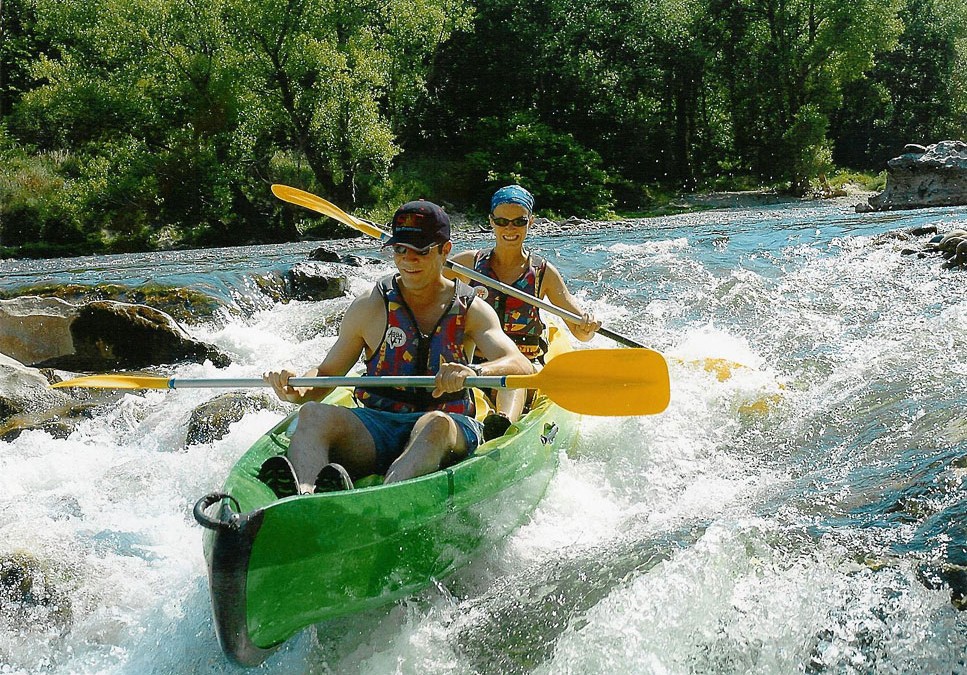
x: 515, y: 625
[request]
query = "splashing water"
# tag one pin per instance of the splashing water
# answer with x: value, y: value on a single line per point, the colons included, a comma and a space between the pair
x: 784, y: 518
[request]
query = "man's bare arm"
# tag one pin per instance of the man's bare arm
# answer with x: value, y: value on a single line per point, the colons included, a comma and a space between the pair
x: 503, y: 357
x: 340, y: 358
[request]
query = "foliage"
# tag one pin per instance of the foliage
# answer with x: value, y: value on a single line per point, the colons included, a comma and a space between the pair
x: 916, y: 93
x: 864, y: 181
x: 565, y: 177
x: 134, y: 124
x: 35, y: 204
x: 182, y: 110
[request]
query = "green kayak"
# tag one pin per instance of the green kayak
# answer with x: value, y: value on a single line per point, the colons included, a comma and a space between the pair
x: 277, y: 566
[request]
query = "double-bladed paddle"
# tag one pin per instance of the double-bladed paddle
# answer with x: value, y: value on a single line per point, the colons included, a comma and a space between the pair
x: 320, y: 205
x: 607, y: 382
x: 721, y: 367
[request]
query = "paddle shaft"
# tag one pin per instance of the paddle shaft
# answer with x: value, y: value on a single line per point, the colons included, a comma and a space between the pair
x: 424, y: 381
x: 586, y: 381
x: 315, y: 203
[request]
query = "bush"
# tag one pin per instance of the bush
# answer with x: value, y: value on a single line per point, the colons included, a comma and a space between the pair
x: 565, y: 177
x: 35, y: 204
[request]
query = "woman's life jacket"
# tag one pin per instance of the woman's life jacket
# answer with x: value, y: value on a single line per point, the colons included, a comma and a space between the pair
x: 520, y: 320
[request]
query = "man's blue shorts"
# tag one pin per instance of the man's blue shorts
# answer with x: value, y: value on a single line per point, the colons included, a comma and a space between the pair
x: 391, y: 431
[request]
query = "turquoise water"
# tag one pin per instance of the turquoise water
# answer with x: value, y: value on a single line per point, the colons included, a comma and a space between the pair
x: 798, y: 516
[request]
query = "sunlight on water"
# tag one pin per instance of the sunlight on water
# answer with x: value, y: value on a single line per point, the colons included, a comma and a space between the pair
x: 776, y: 518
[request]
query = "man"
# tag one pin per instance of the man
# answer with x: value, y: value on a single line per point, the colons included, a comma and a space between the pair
x: 416, y: 322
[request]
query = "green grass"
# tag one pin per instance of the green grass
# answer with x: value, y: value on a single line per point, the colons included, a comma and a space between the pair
x: 867, y: 182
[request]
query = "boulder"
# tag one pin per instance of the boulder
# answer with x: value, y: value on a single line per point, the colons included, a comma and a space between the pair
x: 316, y: 281
x: 28, y: 403
x: 112, y: 335
x: 101, y: 335
x: 34, y: 329
x: 25, y: 390
x: 210, y: 421
x: 30, y: 598
x: 323, y: 254
x: 184, y: 304
x: 924, y: 177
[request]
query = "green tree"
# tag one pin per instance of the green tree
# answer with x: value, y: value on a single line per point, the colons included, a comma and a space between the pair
x: 624, y: 78
x: 182, y: 109
x: 784, y: 64
x: 335, y: 79
x: 566, y: 177
x: 916, y: 93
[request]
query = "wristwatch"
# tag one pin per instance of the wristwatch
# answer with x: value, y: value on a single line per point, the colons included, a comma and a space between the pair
x: 475, y: 367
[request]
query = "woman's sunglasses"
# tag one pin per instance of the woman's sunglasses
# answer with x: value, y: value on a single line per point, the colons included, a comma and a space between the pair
x: 516, y: 222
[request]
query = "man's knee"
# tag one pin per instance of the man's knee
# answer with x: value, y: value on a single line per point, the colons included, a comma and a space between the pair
x: 322, y: 418
x: 436, y: 423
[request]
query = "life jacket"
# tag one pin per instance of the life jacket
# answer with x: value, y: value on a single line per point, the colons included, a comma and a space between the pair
x: 405, y: 351
x: 521, y: 320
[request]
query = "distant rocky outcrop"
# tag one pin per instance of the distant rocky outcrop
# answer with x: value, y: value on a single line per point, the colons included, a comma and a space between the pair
x: 101, y: 335
x: 922, y: 177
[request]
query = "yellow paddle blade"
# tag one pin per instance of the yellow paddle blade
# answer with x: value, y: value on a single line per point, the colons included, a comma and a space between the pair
x: 320, y: 205
x: 114, y: 382
x: 608, y: 382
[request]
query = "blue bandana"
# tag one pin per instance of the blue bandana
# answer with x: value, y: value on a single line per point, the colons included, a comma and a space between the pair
x: 512, y: 194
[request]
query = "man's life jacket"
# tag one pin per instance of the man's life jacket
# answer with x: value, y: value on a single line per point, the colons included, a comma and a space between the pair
x: 520, y: 320
x: 405, y: 351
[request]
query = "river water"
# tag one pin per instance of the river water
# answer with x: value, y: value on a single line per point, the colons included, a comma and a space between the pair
x: 795, y: 517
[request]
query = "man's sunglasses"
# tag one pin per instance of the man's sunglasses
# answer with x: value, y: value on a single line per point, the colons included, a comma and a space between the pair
x: 516, y: 222
x: 400, y: 249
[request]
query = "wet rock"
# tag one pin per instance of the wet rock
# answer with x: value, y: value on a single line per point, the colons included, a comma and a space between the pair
x: 316, y: 281
x: 937, y: 575
x: 210, y: 421
x: 111, y: 335
x: 923, y: 230
x: 924, y: 177
x: 28, y: 403
x: 184, y: 304
x: 951, y: 246
x: 34, y: 329
x: 323, y: 254
x: 273, y: 285
x: 96, y: 336
x: 24, y: 390
x: 29, y: 597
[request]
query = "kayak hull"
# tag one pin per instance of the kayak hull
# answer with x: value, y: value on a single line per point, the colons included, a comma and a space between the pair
x: 278, y: 566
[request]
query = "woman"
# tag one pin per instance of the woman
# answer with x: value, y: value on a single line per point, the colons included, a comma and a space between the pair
x: 511, y: 215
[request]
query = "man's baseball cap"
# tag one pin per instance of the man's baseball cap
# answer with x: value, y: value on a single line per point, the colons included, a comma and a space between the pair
x: 419, y: 225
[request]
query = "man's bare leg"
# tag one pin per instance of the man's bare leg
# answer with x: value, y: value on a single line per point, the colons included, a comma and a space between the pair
x: 328, y: 433
x: 435, y: 437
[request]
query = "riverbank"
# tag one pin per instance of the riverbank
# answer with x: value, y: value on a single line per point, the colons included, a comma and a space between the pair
x: 847, y: 194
